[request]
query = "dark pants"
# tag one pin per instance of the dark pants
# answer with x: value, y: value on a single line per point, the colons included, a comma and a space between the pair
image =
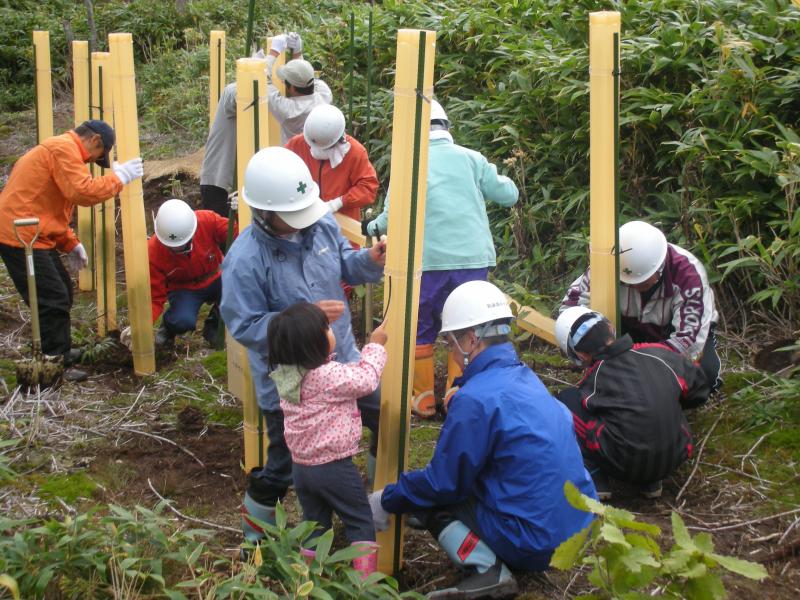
x: 710, y: 362
x: 335, y: 487
x: 184, y: 305
x: 214, y: 198
x: 435, y: 287
x: 269, y: 484
x: 54, y: 292
x: 436, y: 519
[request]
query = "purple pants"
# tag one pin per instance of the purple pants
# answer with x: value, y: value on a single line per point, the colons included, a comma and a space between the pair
x: 434, y: 289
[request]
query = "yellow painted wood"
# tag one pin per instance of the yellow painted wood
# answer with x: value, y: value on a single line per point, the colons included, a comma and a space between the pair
x: 401, y: 312
x: 44, y: 86
x: 274, y: 126
x: 216, y: 83
x: 533, y: 321
x: 240, y: 381
x: 80, y: 97
x: 351, y: 229
x: 134, y: 229
x: 602, y: 227
x: 105, y: 231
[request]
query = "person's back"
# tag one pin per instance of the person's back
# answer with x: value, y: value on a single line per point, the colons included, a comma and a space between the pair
x: 636, y: 394
x: 530, y: 452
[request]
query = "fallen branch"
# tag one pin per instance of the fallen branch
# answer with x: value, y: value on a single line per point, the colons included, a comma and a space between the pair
x: 168, y: 504
x: 697, y: 460
x: 752, y: 449
x: 783, y: 552
x: 746, y: 523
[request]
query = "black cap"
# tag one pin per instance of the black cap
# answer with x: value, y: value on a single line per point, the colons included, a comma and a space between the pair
x: 106, y: 134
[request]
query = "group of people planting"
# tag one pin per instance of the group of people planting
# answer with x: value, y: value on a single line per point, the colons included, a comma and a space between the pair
x: 492, y: 493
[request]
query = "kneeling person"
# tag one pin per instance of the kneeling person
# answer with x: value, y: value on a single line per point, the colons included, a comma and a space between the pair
x: 627, y: 408
x: 493, y: 492
x: 185, y: 259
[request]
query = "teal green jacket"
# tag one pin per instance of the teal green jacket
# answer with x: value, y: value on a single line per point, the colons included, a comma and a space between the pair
x: 457, y: 234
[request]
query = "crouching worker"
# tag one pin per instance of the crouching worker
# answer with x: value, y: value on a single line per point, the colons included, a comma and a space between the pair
x: 492, y: 493
x: 627, y: 408
x: 322, y: 423
x: 185, y: 260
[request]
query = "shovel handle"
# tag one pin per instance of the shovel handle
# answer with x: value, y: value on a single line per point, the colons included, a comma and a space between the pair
x: 33, y: 300
x: 29, y: 222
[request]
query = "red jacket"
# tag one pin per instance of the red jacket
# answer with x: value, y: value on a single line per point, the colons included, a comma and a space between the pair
x: 354, y: 179
x: 198, y: 269
x: 47, y: 182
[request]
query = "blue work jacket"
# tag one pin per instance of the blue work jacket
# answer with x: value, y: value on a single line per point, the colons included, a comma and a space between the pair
x: 263, y: 274
x: 510, y: 446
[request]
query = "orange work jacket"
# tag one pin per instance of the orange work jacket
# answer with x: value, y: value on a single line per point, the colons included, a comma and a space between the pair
x: 47, y: 182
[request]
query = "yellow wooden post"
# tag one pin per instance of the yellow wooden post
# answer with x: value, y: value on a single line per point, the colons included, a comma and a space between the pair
x: 43, y: 85
x: 274, y: 126
x: 216, y: 83
x: 409, y: 172
x: 105, y: 212
x: 80, y: 96
x: 251, y: 136
x: 134, y: 229
x: 603, y: 97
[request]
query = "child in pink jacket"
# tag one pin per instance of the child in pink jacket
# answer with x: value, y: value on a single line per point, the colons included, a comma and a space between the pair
x: 322, y: 423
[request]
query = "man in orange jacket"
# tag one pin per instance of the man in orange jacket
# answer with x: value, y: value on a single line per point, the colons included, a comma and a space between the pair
x: 338, y: 163
x: 185, y: 259
x: 47, y: 182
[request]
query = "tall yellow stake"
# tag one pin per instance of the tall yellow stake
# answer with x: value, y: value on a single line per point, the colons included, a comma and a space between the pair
x: 105, y: 212
x: 80, y: 96
x: 251, y: 136
x: 134, y: 230
x: 44, y: 85
x: 216, y: 83
x: 274, y: 126
x: 409, y: 173
x: 603, y: 100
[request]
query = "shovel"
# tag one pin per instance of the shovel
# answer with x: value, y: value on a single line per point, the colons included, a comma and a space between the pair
x: 39, y: 370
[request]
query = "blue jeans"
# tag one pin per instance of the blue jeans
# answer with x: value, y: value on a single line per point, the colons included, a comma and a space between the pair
x: 181, y: 316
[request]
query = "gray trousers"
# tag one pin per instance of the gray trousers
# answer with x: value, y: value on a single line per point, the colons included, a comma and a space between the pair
x: 335, y: 487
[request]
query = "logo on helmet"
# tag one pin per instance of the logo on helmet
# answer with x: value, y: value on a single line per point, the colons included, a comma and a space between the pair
x: 301, y: 187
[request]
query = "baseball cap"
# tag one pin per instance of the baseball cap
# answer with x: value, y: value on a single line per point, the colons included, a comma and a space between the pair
x: 106, y: 134
x: 298, y: 72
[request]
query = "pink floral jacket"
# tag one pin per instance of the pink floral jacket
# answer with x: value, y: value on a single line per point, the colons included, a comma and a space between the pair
x: 326, y: 424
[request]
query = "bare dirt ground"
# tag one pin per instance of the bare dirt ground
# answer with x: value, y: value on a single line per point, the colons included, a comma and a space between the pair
x: 177, y: 435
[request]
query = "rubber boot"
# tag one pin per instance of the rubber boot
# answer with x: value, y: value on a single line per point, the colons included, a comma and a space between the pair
x: 423, y: 403
x: 488, y: 578
x: 251, y: 509
x: 371, y: 464
x: 368, y: 563
x: 453, y: 370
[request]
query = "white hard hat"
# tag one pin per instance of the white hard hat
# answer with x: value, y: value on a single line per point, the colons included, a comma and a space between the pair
x: 564, y: 325
x: 474, y: 303
x: 642, y: 250
x: 276, y: 179
x: 175, y: 223
x: 324, y: 126
x: 437, y: 112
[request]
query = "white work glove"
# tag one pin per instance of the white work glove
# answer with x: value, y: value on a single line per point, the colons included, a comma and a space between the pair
x: 78, y: 259
x: 295, y: 43
x: 380, y: 518
x: 372, y: 228
x: 279, y: 43
x: 260, y: 54
x: 125, y: 337
x: 335, y: 204
x: 233, y: 201
x: 129, y: 170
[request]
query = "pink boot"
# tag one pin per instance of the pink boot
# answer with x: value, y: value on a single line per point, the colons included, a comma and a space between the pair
x: 308, y: 555
x: 368, y: 563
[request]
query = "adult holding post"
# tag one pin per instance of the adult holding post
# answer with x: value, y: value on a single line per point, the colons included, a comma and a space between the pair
x: 48, y: 182
x: 292, y: 252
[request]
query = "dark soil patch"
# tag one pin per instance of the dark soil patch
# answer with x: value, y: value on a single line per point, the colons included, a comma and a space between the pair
x: 211, y: 490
